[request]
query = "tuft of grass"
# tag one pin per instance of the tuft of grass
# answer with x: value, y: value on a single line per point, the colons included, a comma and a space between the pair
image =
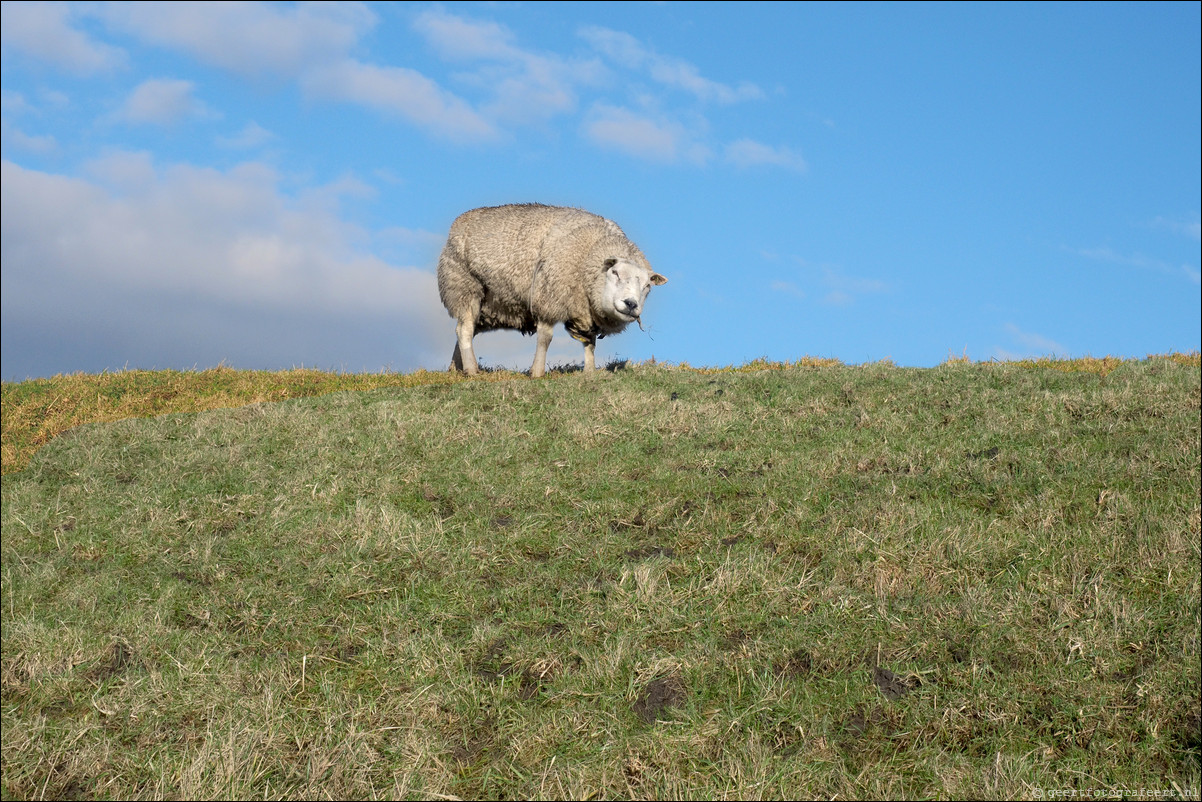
x: 976, y: 580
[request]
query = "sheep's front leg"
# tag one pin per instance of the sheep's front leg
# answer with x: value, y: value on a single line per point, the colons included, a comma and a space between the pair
x: 464, y: 357
x: 545, y: 330
x: 590, y: 361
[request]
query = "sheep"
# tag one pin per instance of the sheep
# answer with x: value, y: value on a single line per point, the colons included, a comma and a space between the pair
x: 529, y: 266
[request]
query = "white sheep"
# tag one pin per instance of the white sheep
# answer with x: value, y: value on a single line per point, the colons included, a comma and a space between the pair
x: 528, y: 266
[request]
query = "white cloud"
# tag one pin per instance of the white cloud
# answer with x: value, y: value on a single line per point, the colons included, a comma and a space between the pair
x: 1190, y: 228
x: 17, y: 139
x: 629, y: 52
x: 252, y: 135
x: 161, y: 101
x: 654, y: 140
x: 653, y: 135
x: 123, y: 171
x: 43, y: 31
x: 248, y: 38
x: 788, y: 288
x: 310, y: 43
x: 620, y: 47
x: 401, y: 91
x: 749, y: 153
x: 525, y: 85
x: 54, y: 99
x: 1108, y: 254
x: 860, y: 286
x: 459, y: 38
x: 1139, y: 260
x: 683, y: 75
x: 840, y: 289
x: 183, y: 266
x: 16, y: 104
x: 13, y: 103
x: 537, y: 90
x: 1035, y: 344
x: 844, y: 289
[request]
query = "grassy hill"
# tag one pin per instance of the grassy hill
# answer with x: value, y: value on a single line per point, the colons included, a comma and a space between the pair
x: 808, y: 580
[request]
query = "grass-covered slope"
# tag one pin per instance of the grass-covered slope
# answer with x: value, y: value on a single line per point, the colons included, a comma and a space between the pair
x: 967, y: 581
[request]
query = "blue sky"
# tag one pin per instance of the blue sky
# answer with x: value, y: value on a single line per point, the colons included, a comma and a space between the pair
x: 269, y: 185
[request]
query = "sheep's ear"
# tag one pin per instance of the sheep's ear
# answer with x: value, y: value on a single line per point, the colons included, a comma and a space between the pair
x: 657, y: 279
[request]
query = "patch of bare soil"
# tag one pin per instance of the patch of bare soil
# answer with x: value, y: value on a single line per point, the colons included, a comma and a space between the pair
x: 636, y: 555
x: 799, y: 664
x: 659, y: 695
x: 492, y: 667
x: 1189, y: 736
x: 893, y: 686
x: 120, y: 659
x: 474, y: 742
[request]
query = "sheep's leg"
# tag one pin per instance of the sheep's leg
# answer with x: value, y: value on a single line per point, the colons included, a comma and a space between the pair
x: 464, y: 357
x: 545, y: 330
x: 590, y: 360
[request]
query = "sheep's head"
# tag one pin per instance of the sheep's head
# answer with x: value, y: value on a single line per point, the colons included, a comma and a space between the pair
x: 626, y: 286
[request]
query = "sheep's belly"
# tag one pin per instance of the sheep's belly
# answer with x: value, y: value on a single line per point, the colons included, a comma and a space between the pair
x: 497, y: 316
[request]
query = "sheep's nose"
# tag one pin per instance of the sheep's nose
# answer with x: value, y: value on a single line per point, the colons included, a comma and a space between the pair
x: 631, y: 304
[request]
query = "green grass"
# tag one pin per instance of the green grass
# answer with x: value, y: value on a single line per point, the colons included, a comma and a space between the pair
x: 970, y: 581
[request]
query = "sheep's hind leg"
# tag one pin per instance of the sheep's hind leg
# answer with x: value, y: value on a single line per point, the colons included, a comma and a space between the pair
x: 543, y: 333
x: 464, y: 358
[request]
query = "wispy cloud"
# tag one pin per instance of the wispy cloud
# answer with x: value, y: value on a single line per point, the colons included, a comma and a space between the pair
x: 403, y: 92
x: 830, y: 283
x: 749, y: 153
x: 657, y: 132
x: 248, y: 38
x: 310, y: 43
x: 788, y: 288
x: 507, y: 85
x: 656, y: 140
x: 1190, y: 228
x: 1035, y: 341
x: 15, y: 105
x: 525, y: 85
x: 17, y: 139
x: 1029, y: 344
x: 628, y: 52
x: 464, y: 39
x: 843, y: 290
x: 44, y: 32
x: 252, y: 135
x: 161, y: 102
x: 1139, y: 260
